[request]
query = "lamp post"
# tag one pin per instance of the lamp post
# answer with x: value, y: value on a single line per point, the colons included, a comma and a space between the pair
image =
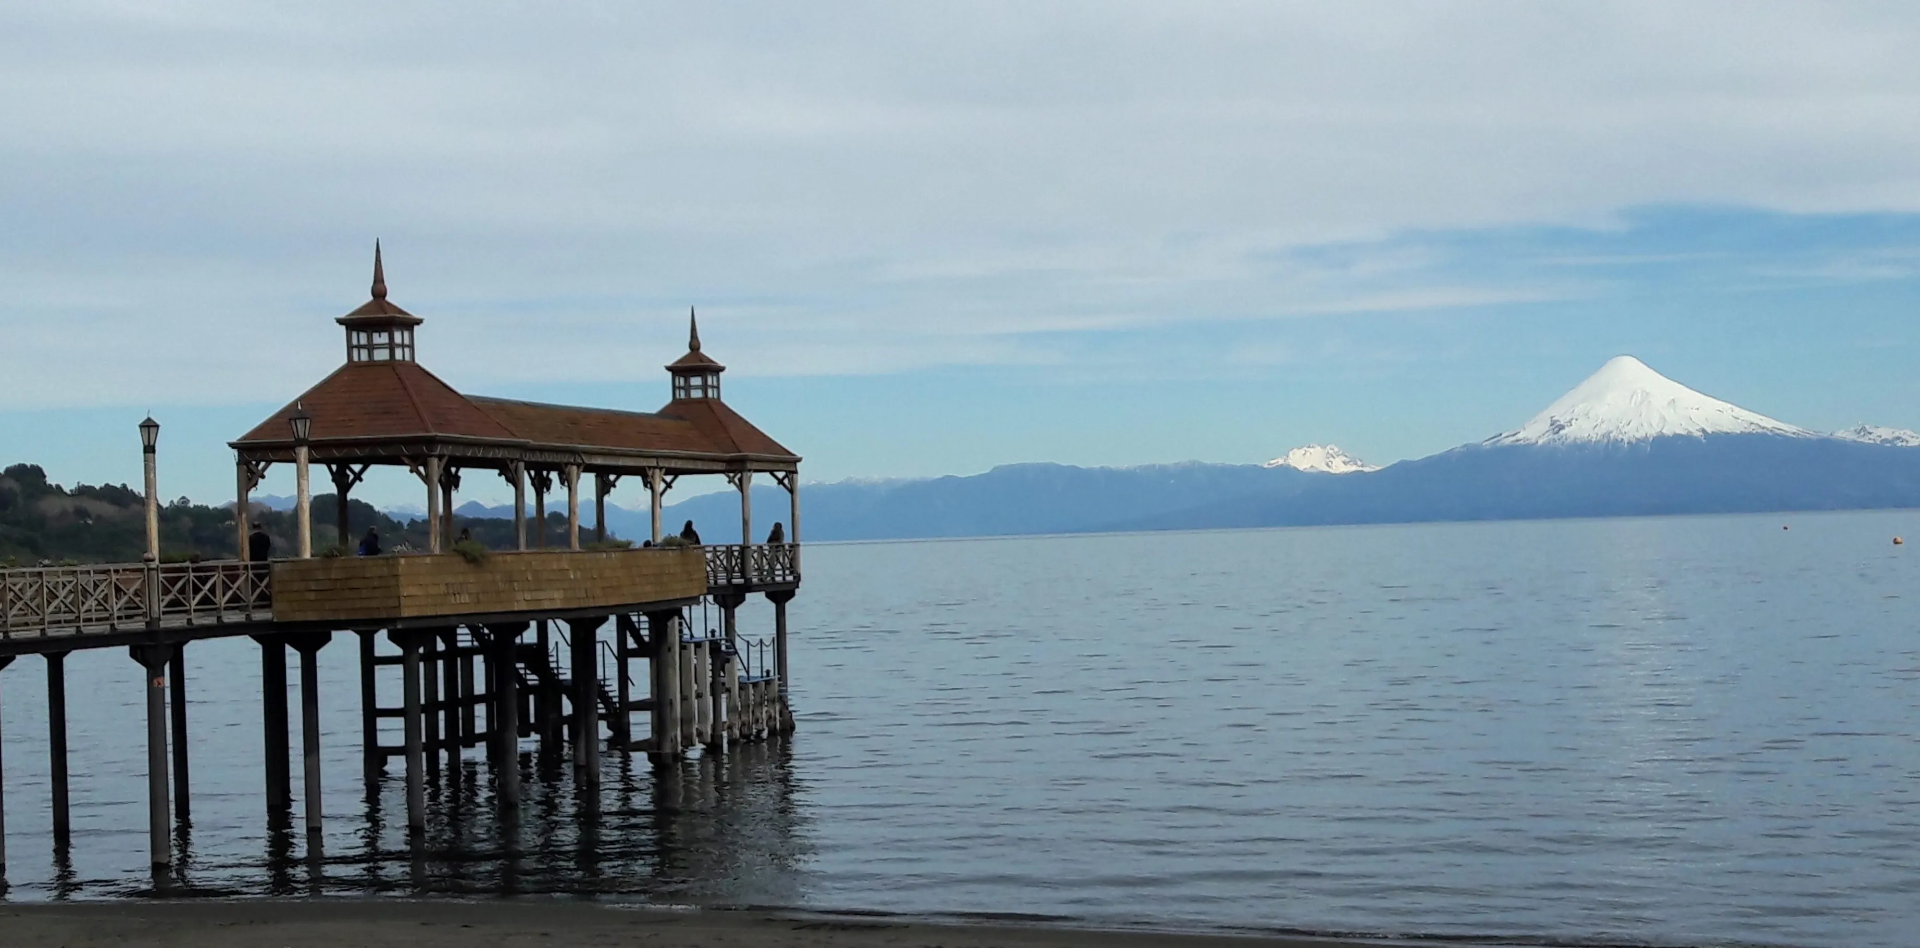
x: 149, y: 440
x: 302, y: 424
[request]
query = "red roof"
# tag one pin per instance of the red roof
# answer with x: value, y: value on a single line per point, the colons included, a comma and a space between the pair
x: 363, y: 400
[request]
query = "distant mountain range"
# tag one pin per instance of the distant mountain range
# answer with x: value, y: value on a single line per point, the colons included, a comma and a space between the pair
x: 1627, y: 441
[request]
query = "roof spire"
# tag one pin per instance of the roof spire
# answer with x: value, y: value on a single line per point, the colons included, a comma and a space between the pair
x: 693, y: 331
x: 379, y: 274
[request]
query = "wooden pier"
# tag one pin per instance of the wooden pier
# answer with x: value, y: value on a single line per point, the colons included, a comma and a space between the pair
x: 492, y: 647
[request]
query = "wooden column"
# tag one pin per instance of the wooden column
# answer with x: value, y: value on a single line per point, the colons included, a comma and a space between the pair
x: 663, y: 629
x: 780, y: 600
x: 506, y: 705
x: 793, y: 521
x: 372, y: 762
x: 302, y: 502
x: 573, y: 506
x: 5, y: 660
x: 153, y: 503
x: 586, y: 698
x: 601, y: 485
x: 542, y: 482
x: 430, y: 701
x: 656, y: 486
x: 56, y: 752
x: 451, y: 699
x: 432, y: 477
x: 309, y: 646
x: 177, y: 704
x: 242, y: 512
x: 153, y: 659
x: 344, y: 477
x: 273, y: 720
x: 688, y: 698
x: 410, y: 717
x: 745, y: 480
x: 622, y: 724
x: 518, y: 474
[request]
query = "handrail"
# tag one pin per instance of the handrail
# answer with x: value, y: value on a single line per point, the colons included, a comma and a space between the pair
x: 751, y: 565
x: 62, y: 600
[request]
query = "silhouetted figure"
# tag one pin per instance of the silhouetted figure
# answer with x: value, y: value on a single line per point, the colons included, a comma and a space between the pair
x: 689, y: 534
x: 466, y: 536
x: 646, y: 544
x: 777, y: 535
x: 259, y: 545
x: 370, y: 544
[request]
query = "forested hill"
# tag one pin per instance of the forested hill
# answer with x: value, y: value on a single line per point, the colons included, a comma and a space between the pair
x: 42, y: 522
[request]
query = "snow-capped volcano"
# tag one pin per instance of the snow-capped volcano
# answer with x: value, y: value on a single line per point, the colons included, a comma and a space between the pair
x: 1626, y: 401
x: 1874, y: 434
x: 1322, y: 459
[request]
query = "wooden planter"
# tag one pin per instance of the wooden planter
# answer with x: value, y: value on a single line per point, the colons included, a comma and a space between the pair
x: 349, y: 589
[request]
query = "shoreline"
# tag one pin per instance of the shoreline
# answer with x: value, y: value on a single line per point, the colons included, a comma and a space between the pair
x: 450, y: 923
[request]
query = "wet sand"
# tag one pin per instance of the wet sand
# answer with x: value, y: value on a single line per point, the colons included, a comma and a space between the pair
x: 324, y: 923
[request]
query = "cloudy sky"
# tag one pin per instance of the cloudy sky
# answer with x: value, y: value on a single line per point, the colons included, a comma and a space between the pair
x: 930, y: 239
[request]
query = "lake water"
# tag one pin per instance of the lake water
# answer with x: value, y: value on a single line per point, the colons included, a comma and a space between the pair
x: 1667, y: 731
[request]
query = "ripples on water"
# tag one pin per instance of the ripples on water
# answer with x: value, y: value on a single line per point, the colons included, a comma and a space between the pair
x: 1686, y: 731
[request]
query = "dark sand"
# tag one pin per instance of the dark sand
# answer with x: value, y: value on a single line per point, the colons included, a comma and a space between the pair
x: 323, y: 923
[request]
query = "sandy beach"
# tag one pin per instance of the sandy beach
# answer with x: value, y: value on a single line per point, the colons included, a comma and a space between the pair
x: 433, y: 924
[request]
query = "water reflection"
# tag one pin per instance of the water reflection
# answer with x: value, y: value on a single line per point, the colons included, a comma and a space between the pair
x: 721, y: 829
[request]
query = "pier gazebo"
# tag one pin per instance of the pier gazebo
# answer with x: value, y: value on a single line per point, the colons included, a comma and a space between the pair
x: 473, y: 632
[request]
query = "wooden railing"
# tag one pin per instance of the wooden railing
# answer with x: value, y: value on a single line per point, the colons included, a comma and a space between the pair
x: 67, y: 600
x: 761, y: 564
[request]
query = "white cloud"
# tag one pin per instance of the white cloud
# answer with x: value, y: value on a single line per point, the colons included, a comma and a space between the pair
x: 190, y: 190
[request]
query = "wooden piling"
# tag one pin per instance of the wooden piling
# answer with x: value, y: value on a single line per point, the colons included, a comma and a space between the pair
x: 153, y: 660
x: 780, y: 600
x: 177, y: 705
x: 429, y: 645
x: 372, y: 762
x: 469, y: 719
x: 309, y: 647
x: 685, y: 703
x: 664, y: 680
x: 56, y: 751
x: 586, y: 698
x: 273, y: 717
x: 506, y: 705
x: 5, y: 660
x: 410, y: 718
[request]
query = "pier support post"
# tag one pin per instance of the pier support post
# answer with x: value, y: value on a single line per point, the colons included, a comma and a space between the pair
x: 154, y: 658
x: 309, y: 646
x: 430, y: 698
x: 780, y: 600
x: 56, y: 751
x: 450, y: 699
x: 664, y: 629
x: 273, y: 717
x: 372, y: 762
x: 586, y: 698
x: 177, y: 705
x: 410, y: 716
x: 5, y: 660
x: 504, y: 718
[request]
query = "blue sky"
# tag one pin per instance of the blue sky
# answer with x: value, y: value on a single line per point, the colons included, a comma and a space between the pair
x: 933, y: 240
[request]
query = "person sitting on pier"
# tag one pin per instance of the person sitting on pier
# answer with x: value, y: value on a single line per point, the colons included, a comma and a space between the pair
x: 466, y: 536
x: 777, y: 536
x: 370, y: 544
x: 689, y: 534
x: 259, y: 545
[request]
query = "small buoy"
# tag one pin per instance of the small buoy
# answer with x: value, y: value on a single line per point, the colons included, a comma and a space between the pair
x: 1897, y: 541
x: 1785, y: 527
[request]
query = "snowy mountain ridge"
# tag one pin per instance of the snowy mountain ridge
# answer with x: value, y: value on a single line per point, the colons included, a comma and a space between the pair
x: 1321, y: 459
x: 1626, y: 402
x: 1875, y: 434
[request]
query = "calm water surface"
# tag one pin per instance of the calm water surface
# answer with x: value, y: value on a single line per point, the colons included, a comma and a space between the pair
x: 1672, y: 731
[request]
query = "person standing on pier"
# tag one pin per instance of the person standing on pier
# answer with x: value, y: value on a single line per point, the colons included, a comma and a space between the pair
x: 689, y: 534
x: 370, y: 544
x: 777, y: 536
x: 259, y: 545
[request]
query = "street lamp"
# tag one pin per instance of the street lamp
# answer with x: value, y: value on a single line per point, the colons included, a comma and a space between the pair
x: 302, y: 425
x: 149, y: 440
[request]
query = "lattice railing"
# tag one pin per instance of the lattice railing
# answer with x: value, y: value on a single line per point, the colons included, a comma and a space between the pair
x: 65, y: 600
x: 762, y: 564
